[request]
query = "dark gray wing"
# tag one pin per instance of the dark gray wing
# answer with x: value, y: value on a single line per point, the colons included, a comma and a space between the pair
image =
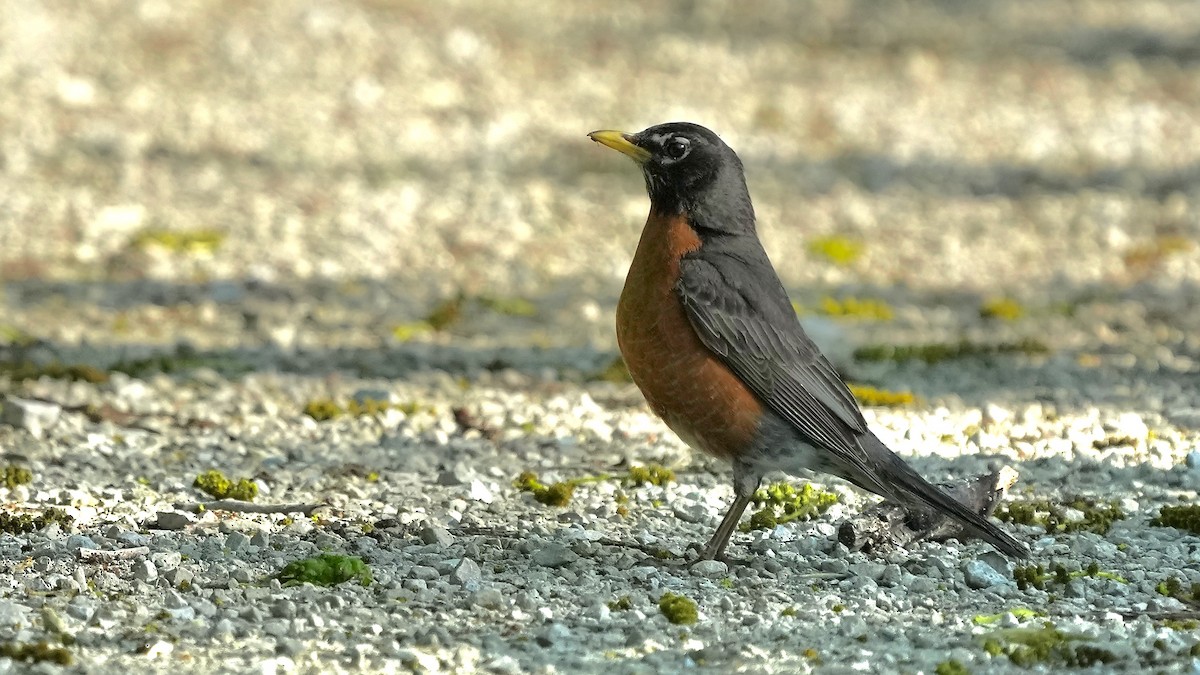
x: 739, y: 309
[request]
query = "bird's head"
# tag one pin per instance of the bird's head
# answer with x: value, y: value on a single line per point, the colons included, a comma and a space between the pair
x: 688, y: 168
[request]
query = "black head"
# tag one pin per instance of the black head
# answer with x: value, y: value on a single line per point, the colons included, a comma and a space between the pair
x: 690, y: 170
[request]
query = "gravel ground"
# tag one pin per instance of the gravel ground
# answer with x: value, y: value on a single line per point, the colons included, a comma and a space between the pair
x: 231, y: 211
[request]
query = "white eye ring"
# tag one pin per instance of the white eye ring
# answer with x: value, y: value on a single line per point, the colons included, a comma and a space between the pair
x: 677, y: 148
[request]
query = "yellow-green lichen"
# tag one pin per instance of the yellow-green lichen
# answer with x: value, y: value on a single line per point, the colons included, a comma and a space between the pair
x: 783, y: 503
x: 324, y: 409
x: 20, y: 371
x: 1186, y: 518
x: 179, y: 241
x: 621, y: 604
x: 1095, y: 516
x: 215, y: 484
x: 35, y: 652
x: 938, y: 352
x: 1151, y: 254
x: 1172, y: 587
x: 1001, y: 309
x: 16, y: 475
x: 881, y: 398
x: 182, y: 359
x: 951, y: 667
x: 326, y: 570
x: 652, y: 474
x: 840, y: 251
x: 20, y: 523
x: 1037, y: 576
x: 1027, y: 647
x: 855, y: 308
x: 555, y: 494
x: 1020, y: 613
x: 508, y: 306
x: 678, y: 609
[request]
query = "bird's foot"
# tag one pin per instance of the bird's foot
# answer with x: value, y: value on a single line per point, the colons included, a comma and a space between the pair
x: 705, y: 553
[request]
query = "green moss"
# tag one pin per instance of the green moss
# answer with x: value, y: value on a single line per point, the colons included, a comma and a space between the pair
x: 20, y: 371
x: 16, y: 337
x: 1174, y: 588
x: 812, y: 656
x: 1021, y: 614
x: 35, y: 652
x: 324, y: 409
x: 1002, y: 309
x: 789, y: 611
x: 1182, y: 625
x: 855, y: 308
x: 16, y: 475
x: 838, y: 608
x: 678, y: 609
x: 882, y: 398
x: 726, y: 582
x: 1186, y: 518
x: 951, y: 667
x: 12, y: 523
x: 446, y: 313
x: 179, y: 241
x: 1027, y: 647
x: 782, y: 503
x: 840, y: 251
x: 1039, y: 577
x: 518, y: 307
x: 652, y: 474
x: 939, y: 352
x: 621, y: 604
x: 555, y: 494
x: 182, y: 359
x: 215, y: 484
x: 1151, y: 254
x: 326, y: 570
x: 1097, y: 517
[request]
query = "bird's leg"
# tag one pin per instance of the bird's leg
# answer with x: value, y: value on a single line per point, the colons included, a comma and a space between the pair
x: 715, y: 548
x: 745, y: 482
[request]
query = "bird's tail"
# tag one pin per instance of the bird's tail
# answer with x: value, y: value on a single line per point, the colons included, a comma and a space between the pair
x: 895, y: 479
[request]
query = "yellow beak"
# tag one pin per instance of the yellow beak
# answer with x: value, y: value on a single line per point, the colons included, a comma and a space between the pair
x: 619, y: 141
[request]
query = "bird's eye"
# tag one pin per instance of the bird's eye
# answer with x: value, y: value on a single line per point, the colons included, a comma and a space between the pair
x: 677, y: 147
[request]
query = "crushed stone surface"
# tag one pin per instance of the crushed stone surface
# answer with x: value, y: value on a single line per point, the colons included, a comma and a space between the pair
x: 215, y: 216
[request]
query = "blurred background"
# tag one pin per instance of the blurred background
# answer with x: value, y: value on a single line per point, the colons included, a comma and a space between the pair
x: 409, y: 176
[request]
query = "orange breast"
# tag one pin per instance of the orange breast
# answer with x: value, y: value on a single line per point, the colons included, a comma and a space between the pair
x: 685, y: 384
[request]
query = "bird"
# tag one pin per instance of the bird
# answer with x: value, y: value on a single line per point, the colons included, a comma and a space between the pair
x: 710, y: 337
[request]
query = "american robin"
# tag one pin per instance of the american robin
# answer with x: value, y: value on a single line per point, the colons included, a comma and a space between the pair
x: 710, y: 337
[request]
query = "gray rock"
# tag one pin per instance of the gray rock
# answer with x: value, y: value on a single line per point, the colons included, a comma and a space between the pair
x: 14, y: 615
x: 424, y: 572
x: 78, y: 541
x: 709, y: 569
x: 489, y: 598
x: 144, y: 570
x: 691, y: 512
x: 555, y: 633
x: 554, y: 555
x: 173, y: 520
x: 283, y: 609
x: 32, y: 416
x: 467, y: 575
x: 166, y: 561
x: 434, y: 534
x: 979, y: 574
x: 236, y: 541
x: 260, y: 539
